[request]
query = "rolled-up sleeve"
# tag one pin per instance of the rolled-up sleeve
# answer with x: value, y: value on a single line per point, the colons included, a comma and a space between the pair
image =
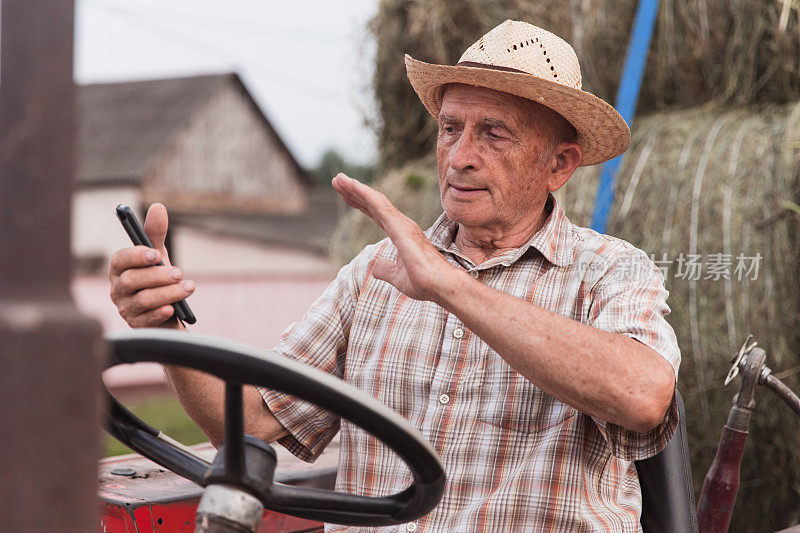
x: 318, y: 340
x: 631, y: 300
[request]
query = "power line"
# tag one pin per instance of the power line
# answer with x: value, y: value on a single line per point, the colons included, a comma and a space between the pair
x: 190, y: 42
x: 246, y: 27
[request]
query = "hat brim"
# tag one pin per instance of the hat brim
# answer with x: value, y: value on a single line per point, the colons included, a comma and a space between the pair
x: 602, y: 132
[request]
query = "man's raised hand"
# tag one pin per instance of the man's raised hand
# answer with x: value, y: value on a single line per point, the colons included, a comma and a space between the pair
x: 420, y: 271
x: 142, y: 290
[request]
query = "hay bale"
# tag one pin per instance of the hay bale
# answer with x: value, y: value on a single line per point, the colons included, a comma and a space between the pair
x: 704, y: 183
x: 702, y: 51
x: 698, y: 182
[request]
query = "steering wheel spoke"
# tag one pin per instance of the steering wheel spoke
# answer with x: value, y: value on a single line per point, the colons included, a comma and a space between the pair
x: 234, y: 430
x: 149, y: 442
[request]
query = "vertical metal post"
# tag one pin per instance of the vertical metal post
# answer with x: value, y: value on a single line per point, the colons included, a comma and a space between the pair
x: 49, y: 353
x: 627, y: 96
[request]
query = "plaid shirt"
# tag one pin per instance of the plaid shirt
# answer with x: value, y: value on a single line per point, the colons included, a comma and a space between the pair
x: 515, y: 458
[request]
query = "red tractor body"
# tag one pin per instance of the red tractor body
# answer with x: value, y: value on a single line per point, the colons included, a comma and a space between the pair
x: 139, y: 496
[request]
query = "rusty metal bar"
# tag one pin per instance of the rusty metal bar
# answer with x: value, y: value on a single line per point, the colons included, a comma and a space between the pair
x: 721, y: 484
x: 49, y: 353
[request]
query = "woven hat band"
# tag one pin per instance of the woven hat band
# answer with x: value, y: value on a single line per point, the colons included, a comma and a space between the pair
x: 486, y: 65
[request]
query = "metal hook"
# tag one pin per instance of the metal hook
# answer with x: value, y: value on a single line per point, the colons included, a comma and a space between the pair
x: 744, y: 350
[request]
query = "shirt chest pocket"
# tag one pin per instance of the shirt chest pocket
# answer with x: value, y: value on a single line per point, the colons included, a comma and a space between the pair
x: 511, y: 402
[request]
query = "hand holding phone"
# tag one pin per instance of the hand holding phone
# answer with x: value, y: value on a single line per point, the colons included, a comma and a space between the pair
x: 139, y: 238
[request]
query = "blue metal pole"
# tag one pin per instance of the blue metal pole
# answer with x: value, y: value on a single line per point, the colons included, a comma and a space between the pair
x: 627, y: 95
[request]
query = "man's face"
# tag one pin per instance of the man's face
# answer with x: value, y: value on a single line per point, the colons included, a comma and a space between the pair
x: 490, y: 153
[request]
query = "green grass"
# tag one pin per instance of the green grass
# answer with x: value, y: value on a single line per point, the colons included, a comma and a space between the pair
x: 163, y: 412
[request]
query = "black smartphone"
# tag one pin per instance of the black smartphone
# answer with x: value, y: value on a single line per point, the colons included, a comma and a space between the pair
x: 139, y: 238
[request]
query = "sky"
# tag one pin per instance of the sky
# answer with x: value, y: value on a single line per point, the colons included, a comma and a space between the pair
x: 308, y: 64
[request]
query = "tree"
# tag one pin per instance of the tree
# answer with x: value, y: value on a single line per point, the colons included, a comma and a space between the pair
x: 332, y: 162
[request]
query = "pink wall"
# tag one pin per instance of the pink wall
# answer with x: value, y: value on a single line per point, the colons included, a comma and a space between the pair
x: 253, y: 311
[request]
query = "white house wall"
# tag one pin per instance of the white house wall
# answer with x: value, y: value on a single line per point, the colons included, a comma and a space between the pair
x: 200, y: 253
x: 96, y: 232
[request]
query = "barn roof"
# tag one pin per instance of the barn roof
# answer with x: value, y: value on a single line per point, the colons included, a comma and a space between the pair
x: 124, y: 127
x: 310, y: 230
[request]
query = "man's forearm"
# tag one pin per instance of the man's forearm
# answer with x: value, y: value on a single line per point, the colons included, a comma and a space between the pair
x: 612, y: 377
x: 203, y: 398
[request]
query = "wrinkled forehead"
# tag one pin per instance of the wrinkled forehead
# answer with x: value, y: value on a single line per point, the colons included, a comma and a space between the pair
x: 484, y: 103
x: 489, y: 103
x: 459, y: 94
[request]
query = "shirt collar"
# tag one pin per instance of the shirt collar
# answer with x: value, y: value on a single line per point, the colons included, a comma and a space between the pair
x: 553, y: 240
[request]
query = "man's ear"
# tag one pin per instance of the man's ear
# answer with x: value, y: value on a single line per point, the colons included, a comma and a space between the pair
x: 566, y: 158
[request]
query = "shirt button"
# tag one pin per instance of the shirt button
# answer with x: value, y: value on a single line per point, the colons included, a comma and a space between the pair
x: 474, y: 273
x: 411, y: 526
x: 444, y: 398
x: 458, y: 333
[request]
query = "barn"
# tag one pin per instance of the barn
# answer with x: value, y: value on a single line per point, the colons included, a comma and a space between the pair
x: 245, y: 221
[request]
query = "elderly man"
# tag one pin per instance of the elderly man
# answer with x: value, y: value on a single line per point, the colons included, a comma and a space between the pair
x: 526, y: 349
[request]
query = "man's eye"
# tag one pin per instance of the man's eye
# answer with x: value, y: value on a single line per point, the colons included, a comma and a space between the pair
x: 493, y: 136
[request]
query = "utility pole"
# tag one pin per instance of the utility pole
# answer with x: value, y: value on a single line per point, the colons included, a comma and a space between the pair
x: 627, y: 96
x: 49, y: 354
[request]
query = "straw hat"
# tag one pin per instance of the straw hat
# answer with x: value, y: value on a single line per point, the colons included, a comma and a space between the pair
x: 527, y: 61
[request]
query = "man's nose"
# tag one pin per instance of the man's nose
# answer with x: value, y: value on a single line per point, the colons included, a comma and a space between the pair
x: 464, y: 155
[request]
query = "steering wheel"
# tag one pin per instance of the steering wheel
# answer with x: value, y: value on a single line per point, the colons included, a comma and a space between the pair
x: 239, y: 364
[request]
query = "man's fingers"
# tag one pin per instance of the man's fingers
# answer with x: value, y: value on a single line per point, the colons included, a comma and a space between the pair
x: 142, y: 294
x: 404, y: 232
x: 133, y: 280
x: 348, y: 189
x: 134, y: 257
x: 152, y: 318
x: 358, y: 193
x: 156, y: 224
x: 354, y: 197
x: 147, y: 300
x: 352, y: 201
x: 414, y: 272
x: 142, y: 290
x: 367, y: 200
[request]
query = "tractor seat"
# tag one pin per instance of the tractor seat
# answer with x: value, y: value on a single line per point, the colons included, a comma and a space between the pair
x: 666, y: 480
